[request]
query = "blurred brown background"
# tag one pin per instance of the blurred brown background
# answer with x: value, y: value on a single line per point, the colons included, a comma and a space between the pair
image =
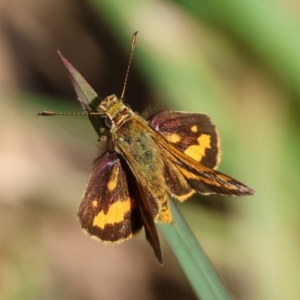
x: 236, y: 61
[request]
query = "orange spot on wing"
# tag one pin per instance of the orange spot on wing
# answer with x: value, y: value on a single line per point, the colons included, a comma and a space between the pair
x: 198, y: 151
x: 194, y: 128
x: 173, y: 138
x: 113, y: 180
x: 115, y: 214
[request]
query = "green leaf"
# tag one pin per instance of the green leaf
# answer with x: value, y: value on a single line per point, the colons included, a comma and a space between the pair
x: 87, y: 97
x: 194, y: 262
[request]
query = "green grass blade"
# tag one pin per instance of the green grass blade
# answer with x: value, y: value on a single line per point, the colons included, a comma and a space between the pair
x: 194, y: 262
x: 86, y: 95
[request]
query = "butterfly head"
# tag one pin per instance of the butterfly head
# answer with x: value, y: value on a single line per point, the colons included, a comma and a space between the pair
x: 114, y: 111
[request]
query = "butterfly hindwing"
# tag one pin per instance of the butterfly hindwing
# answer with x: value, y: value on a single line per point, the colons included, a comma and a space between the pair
x: 191, y: 133
x: 108, y: 211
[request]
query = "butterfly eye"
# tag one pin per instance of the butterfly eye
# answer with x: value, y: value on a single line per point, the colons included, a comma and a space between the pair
x: 107, y: 121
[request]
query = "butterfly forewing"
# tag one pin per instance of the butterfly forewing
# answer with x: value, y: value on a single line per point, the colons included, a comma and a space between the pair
x: 206, y: 181
x: 149, y: 225
x: 145, y: 204
x: 108, y: 211
x: 176, y: 183
x: 199, y: 177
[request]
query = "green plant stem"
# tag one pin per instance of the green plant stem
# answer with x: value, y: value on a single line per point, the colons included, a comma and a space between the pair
x: 194, y: 262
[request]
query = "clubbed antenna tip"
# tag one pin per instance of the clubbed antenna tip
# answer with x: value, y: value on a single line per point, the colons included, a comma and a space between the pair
x: 133, y: 43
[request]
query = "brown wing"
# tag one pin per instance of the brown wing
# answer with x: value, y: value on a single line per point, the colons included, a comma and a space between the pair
x: 207, y: 181
x: 191, y: 133
x: 148, y: 210
x: 176, y: 183
x: 200, y: 178
x: 108, y: 211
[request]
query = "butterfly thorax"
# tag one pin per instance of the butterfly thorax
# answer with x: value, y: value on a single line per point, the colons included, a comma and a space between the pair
x: 115, y: 109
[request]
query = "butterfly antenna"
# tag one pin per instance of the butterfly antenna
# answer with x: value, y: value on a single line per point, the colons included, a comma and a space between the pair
x: 133, y: 42
x: 50, y: 113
